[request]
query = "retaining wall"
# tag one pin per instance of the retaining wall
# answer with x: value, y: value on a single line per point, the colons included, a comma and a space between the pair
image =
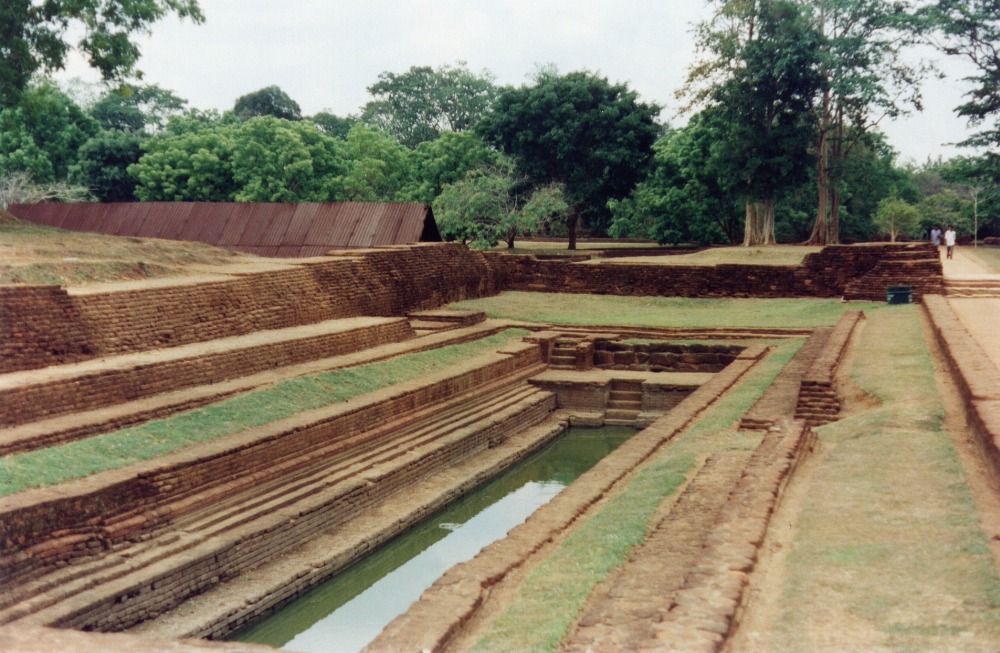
x: 102, y: 387
x: 976, y: 376
x: 828, y: 273
x: 43, y: 326
x: 101, y: 511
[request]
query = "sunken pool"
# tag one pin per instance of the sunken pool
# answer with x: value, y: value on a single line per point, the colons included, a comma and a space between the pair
x: 348, y: 611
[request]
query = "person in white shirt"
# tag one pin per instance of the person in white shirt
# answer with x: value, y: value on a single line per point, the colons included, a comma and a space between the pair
x: 949, y: 241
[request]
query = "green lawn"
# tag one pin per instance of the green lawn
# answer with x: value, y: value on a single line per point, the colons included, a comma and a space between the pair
x: 604, y: 310
x: 73, y: 460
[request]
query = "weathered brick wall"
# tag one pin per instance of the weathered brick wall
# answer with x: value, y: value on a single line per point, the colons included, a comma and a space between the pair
x: 663, y: 356
x: 46, y: 527
x: 828, y: 273
x: 42, y: 326
x: 108, y: 387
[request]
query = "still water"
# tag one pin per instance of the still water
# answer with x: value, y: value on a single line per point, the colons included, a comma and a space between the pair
x: 346, y: 612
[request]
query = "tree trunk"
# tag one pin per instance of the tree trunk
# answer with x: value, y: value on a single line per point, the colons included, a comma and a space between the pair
x: 571, y: 223
x: 821, y: 227
x: 759, y: 225
x: 837, y: 157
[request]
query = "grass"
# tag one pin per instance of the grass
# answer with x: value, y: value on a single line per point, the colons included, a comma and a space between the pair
x: 663, y: 312
x: 129, y: 446
x: 774, y: 255
x: 37, y: 254
x: 556, y: 590
x: 888, y: 552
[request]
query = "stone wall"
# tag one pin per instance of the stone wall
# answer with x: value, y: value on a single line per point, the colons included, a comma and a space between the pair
x: 662, y: 356
x: 828, y: 273
x: 43, y: 326
x: 103, y: 510
x: 976, y: 377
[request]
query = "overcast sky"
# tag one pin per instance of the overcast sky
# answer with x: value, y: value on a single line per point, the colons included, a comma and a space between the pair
x: 325, y: 53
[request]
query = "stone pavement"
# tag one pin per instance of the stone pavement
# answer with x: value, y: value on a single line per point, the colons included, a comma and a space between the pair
x: 980, y: 315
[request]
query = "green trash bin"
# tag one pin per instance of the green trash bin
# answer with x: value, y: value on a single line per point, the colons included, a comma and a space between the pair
x: 899, y: 295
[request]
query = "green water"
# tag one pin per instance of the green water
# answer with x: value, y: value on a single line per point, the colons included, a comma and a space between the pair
x: 346, y: 612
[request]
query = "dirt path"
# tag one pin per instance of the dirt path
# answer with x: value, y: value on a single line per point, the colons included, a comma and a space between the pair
x: 981, y: 316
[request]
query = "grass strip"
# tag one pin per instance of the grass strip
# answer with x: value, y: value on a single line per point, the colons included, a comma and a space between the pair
x: 662, y: 312
x: 128, y: 446
x: 556, y: 590
x: 888, y: 551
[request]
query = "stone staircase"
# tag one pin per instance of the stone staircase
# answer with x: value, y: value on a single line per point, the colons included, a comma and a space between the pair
x: 424, y: 322
x: 624, y: 402
x: 563, y: 355
x: 221, y: 527
x: 972, y: 287
x: 916, y: 267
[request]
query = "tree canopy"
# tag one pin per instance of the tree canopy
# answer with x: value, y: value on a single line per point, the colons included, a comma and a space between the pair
x: 34, y: 36
x: 423, y: 102
x: 578, y: 130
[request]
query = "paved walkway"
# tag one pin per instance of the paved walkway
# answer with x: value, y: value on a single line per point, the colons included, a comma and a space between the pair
x: 981, y: 316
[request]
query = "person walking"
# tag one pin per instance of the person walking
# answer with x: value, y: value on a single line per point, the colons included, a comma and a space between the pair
x: 949, y: 241
x: 936, y: 236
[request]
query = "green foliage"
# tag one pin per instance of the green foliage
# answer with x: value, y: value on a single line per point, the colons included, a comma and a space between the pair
x: 682, y: 199
x: 132, y: 108
x: 333, y: 125
x: 445, y: 160
x: 578, y: 130
x: 35, y: 36
x: 276, y: 160
x: 896, y: 217
x: 376, y: 168
x: 191, y: 161
x: 103, y: 162
x: 268, y: 101
x: 132, y: 445
x: 494, y: 204
x: 42, y: 133
x: 423, y: 103
x: 970, y: 29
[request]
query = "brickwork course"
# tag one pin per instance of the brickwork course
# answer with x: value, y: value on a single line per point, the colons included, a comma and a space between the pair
x: 124, y: 549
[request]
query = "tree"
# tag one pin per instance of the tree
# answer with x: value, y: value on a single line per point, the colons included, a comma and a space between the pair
x: 681, y: 199
x: 897, y: 217
x: 34, y: 36
x: 19, y: 188
x: 276, y: 160
x: 103, y: 162
x: 591, y: 137
x: 190, y: 161
x: 132, y: 108
x: 494, y: 204
x: 268, y: 101
x: 43, y: 133
x: 763, y: 81
x: 970, y: 29
x: 376, y: 168
x: 446, y: 160
x: 866, y: 78
x: 422, y: 103
x: 333, y: 125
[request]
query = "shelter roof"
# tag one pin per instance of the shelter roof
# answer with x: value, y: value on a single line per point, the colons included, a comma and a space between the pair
x: 265, y: 229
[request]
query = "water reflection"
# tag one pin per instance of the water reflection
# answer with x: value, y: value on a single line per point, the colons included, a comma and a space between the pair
x: 349, y: 610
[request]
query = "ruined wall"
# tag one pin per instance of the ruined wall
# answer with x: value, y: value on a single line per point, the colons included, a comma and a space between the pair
x: 45, y: 325
x: 866, y: 270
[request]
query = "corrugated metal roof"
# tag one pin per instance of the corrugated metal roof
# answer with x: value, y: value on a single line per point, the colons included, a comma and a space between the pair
x: 282, y: 230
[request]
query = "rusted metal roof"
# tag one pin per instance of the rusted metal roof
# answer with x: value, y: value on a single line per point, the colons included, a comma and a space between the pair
x: 281, y: 230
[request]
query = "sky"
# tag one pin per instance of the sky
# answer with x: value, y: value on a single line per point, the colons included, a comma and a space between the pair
x: 324, y: 54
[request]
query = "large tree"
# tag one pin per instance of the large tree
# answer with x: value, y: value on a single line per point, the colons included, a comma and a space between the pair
x: 423, y: 102
x: 970, y: 29
x: 34, y: 36
x: 268, y: 101
x: 591, y: 137
x: 868, y: 75
x: 761, y: 81
x: 136, y: 108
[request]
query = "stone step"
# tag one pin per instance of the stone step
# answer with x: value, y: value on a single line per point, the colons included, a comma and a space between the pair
x: 263, y: 501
